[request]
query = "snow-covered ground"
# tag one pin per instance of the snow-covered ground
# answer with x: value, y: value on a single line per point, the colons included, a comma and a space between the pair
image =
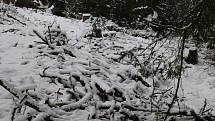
x: 21, y: 62
x: 18, y: 61
x: 198, y: 84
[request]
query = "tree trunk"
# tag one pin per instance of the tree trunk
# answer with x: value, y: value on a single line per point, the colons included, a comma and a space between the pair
x: 59, y: 8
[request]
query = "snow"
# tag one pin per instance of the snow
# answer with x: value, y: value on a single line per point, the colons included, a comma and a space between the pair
x: 18, y: 62
x: 22, y: 65
x: 152, y: 16
x: 199, y: 86
x: 86, y: 14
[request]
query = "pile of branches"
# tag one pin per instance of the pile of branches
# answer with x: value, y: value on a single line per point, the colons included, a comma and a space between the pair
x: 109, y: 89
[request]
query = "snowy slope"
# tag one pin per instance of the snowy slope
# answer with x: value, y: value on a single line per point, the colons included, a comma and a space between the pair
x: 198, y: 84
x: 22, y: 61
x: 19, y: 62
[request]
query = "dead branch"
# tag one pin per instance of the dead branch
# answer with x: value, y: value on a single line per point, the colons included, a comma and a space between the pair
x: 28, y: 101
x: 45, y: 40
x: 10, y: 30
x: 196, y: 116
x: 66, y: 81
x: 10, y: 16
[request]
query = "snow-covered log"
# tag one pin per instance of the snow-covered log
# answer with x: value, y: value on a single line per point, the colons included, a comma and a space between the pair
x: 78, y: 104
x: 82, y: 101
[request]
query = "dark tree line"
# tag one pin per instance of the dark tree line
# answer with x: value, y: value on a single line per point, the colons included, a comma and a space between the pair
x: 121, y: 11
x: 175, y: 13
x: 132, y: 13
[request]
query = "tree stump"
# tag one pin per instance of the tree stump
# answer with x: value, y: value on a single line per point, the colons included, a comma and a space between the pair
x: 85, y: 16
x: 192, y: 56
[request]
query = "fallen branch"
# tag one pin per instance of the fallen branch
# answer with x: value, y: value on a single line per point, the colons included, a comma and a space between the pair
x: 28, y: 101
x: 66, y: 81
x: 10, y: 16
x: 10, y: 30
x: 45, y: 40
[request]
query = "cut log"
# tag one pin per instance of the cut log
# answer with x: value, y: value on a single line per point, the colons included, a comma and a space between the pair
x: 192, y: 56
x: 85, y: 16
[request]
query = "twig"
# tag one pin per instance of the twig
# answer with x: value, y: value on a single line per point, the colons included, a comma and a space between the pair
x: 10, y: 30
x: 10, y: 16
x: 196, y: 116
x: 41, y: 37
x: 203, y: 108
x: 44, y: 39
x: 17, y: 107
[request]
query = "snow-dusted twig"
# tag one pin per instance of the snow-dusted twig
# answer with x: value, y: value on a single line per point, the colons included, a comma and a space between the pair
x: 45, y: 40
x: 180, y: 73
x: 18, y: 107
x: 10, y: 16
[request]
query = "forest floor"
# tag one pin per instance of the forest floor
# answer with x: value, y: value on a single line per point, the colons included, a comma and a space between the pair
x: 21, y: 62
